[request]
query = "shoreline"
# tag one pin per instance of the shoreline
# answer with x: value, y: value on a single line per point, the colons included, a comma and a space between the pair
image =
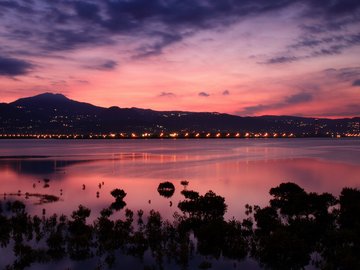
x: 195, y: 136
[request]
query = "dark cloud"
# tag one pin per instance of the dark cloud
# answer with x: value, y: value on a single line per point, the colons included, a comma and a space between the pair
x: 194, y: 14
x: 348, y: 74
x: 250, y: 110
x: 71, y: 39
x: 57, y: 15
x: 313, y: 41
x: 14, y: 67
x: 24, y: 7
x: 157, y: 47
x: 282, y: 60
x: 334, y: 28
x: 356, y: 83
x: 333, y: 50
x: 328, y: 45
x: 298, y: 98
x: 328, y: 26
x: 349, y: 110
x: 138, y: 10
x: 226, y: 93
x: 108, y: 65
x: 325, y: 46
x: 9, y: 4
x: 82, y: 81
x: 59, y: 83
x: 104, y: 65
x: 204, y: 94
x: 332, y: 10
x: 167, y: 94
x: 86, y: 10
x: 68, y: 25
x: 343, y: 6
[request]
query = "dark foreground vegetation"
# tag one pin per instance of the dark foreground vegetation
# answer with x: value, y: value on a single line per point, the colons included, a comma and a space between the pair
x: 296, y: 229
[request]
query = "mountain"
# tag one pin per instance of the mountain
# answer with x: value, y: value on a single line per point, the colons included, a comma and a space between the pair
x: 55, y: 113
x: 49, y: 102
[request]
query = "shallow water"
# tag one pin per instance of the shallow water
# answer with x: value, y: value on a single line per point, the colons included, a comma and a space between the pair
x: 241, y: 170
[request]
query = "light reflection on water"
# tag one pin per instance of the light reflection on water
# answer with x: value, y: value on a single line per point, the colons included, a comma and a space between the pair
x: 242, y: 171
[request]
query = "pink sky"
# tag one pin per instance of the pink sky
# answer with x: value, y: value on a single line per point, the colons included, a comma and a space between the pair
x: 245, y: 61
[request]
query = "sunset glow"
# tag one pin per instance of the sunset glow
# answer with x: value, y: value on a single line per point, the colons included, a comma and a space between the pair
x: 238, y: 57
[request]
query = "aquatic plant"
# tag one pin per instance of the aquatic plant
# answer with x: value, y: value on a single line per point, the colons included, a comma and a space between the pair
x: 282, y: 235
x: 166, y: 189
x: 119, y: 196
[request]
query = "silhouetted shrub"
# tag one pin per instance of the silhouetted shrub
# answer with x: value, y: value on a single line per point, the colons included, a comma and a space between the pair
x: 189, y: 194
x: 166, y: 189
x: 119, y: 195
x: 209, y: 206
x: 323, y: 231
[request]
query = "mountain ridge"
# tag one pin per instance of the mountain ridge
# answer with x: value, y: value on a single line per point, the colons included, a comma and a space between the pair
x: 55, y: 113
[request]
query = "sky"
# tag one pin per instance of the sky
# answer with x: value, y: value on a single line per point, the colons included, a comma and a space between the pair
x: 243, y: 57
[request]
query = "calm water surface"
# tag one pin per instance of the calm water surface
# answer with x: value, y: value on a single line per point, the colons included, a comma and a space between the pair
x: 242, y: 171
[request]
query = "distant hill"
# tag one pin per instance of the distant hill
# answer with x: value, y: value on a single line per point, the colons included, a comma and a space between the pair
x: 55, y: 113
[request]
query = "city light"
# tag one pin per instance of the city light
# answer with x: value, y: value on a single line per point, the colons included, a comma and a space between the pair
x: 172, y: 135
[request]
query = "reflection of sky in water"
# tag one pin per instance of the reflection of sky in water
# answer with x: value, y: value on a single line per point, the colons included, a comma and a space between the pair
x: 241, y: 170
x: 127, y: 262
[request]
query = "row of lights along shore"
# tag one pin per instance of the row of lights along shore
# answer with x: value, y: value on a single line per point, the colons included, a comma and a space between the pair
x: 174, y: 135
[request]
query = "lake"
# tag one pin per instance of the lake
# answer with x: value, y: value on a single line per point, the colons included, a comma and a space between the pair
x: 241, y: 170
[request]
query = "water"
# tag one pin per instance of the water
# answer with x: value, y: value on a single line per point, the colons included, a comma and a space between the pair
x: 241, y: 170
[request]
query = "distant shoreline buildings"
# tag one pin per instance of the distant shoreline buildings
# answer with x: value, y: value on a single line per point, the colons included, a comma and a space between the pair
x: 176, y: 135
x: 57, y: 117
